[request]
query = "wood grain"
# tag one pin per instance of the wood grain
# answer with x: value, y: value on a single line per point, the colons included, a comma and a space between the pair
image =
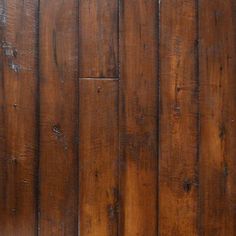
x: 218, y: 111
x: 178, y: 177
x: 138, y: 117
x: 117, y: 118
x: 58, y: 118
x: 99, y: 153
x: 18, y: 94
x: 98, y: 38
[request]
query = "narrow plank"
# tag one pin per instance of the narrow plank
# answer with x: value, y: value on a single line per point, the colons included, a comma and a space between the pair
x: 58, y: 117
x: 178, y: 177
x: 138, y: 117
x: 98, y: 38
x: 218, y: 112
x: 18, y: 141
x: 99, y: 153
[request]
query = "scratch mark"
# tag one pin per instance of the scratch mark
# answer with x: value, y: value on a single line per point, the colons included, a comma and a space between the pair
x: 54, y: 37
x: 222, y: 131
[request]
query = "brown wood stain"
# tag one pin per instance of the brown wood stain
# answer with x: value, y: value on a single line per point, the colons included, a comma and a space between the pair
x: 117, y: 118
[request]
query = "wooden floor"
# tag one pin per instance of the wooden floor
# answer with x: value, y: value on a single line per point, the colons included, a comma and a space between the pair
x: 117, y: 117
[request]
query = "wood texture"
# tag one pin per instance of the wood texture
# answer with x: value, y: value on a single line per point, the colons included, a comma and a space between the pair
x: 98, y: 38
x: 117, y: 118
x: 178, y: 177
x: 138, y: 117
x: 58, y: 178
x: 18, y: 94
x: 218, y: 111
x: 98, y: 151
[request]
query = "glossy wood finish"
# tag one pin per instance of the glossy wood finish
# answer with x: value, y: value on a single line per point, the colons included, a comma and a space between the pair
x: 18, y: 128
x: 58, y: 172
x: 117, y: 118
x: 178, y: 161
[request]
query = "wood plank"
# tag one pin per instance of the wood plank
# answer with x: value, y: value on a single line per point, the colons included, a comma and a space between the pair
x: 58, y: 117
x: 18, y: 132
x: 218, y: 112
x: 98, y: 38
x: 99, y: 153
x: 178, y: 177
x: 138, y: 117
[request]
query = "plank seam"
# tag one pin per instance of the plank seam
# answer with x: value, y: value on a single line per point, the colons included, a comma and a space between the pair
x: 99, y: 78
x: 37, y: 230
x: 78, y: 155
x: 158, y: 110
x: 118, y: 117
x: 198, y: 117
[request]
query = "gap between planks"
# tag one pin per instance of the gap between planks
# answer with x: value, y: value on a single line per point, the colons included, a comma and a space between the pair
x: 99, y: 78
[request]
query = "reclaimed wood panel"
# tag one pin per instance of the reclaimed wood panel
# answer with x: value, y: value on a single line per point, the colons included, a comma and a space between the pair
x: 99, y: 157
x: 218, y: 110
x: 18, y: 121
x: 178, y: 161
x: 98, y: 38
x: 117, y: 117
x: 58, y: 180
x: 138, y: 117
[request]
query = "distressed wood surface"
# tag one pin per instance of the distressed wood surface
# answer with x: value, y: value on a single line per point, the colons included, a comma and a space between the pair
x: 218, y: 111
x: 138, y: 117
x: 98, y: 151
x: 178, y: 161
x: 98, y: 38
x: 58, y: 177
x: 117, y: 118
x: 18, y: 128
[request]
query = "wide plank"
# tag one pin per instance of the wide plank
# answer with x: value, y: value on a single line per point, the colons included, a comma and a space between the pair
x: 18, y: 118
x: 58, y: 195
x: 138, y: 117
x: 98, y: 157
x: 178, y: 162
x: 218, y: 111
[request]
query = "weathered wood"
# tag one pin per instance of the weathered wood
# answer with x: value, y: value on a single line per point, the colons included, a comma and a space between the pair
x: 58, y: 118
x: 178, y: 177
x: 99, y: 155
x: 18, y: 132
x: 98, y: 38
x: 117, y: 117
x: 218, y: 112
x: 138, y: 117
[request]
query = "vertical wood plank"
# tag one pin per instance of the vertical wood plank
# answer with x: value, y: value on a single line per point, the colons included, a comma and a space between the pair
x: 58, y: 117
x: 138, y: 117
x: 98, y: 40
x: 18, y: 141
x: 218, y: 112
x: 178, y: 177
x: 99, y: 153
